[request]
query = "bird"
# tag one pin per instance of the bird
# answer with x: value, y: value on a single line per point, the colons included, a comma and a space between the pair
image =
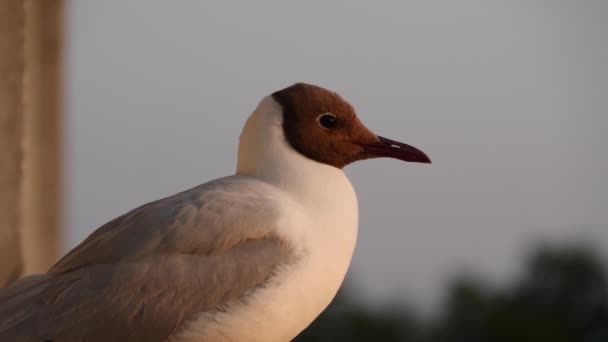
x: 254, y: 256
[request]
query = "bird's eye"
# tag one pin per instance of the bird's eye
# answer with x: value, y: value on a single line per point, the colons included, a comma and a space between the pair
x: 327, y: 120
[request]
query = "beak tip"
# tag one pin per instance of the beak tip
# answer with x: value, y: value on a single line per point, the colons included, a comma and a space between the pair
x: 422, y: 159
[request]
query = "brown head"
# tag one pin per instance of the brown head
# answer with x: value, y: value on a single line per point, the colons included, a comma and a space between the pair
x: 322, y: 126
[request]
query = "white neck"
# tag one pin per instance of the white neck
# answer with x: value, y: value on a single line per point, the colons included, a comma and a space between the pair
x: 323, y: 227
x: 264, y: 153
x: 328, y: 232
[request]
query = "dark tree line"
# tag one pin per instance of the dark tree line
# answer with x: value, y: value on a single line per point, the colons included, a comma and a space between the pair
x: 562, y: 296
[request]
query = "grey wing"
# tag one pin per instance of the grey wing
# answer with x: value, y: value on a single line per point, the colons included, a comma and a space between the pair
x: 171, y: 274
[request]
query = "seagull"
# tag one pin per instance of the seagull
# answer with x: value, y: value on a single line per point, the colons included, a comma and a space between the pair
x: 255, y: 256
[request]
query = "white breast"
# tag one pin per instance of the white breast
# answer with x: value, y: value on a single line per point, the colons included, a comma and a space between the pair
x: 300, y: 292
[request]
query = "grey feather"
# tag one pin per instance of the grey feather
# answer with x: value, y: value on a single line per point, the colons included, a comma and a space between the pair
x: 142, y: 276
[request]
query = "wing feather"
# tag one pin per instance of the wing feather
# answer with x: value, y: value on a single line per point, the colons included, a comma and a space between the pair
x: 143, y: 275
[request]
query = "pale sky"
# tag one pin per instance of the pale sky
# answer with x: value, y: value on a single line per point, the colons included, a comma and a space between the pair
x: 509, y: 99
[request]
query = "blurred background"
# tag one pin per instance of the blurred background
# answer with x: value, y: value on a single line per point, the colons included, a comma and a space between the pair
x: 503, y: 238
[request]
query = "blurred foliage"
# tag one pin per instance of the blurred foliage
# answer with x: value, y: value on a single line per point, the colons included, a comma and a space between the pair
x: 561, y: 296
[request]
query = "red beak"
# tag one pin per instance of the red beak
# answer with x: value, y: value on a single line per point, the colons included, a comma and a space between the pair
x: 394, y: 149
